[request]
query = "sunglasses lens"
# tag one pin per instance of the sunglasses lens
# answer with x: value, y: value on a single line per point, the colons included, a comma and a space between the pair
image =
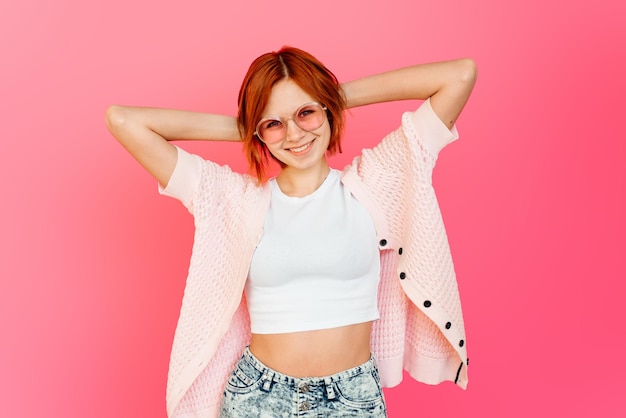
x: 308, y: 117
x: 271, y: 130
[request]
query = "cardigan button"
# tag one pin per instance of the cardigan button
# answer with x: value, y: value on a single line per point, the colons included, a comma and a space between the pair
x: 400, y: 250
x: 448, y: 325
x: 383, y: 242
x: 402, y: 276
x: 427, y: 304
x: 461, y: 343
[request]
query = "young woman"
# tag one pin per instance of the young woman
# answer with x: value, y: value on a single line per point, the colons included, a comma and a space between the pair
x: 309, y: 292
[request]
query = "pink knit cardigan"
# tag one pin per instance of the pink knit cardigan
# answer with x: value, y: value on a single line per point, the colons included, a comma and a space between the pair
x: 421, y: 325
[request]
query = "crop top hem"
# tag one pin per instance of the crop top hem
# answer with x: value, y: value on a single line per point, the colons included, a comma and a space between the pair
x: 316, y: 325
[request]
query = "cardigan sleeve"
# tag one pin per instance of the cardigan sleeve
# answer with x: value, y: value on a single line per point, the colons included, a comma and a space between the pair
x: 202, y: 184
x: 430, y: 131
x: 409, y: 152
x: 185, y: 179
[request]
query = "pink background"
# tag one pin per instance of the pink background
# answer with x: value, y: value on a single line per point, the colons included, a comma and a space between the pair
x: 93, y: 261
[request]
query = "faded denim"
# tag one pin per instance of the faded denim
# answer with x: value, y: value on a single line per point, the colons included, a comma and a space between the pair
x: 256, y: 391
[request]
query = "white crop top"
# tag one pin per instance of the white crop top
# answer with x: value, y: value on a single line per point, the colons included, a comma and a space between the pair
x: 317, y: 265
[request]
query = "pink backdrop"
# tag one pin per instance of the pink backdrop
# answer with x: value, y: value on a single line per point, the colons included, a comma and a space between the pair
x: 93, y: 261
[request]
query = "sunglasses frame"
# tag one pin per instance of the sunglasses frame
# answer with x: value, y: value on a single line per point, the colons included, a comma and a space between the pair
x: 285, y: 121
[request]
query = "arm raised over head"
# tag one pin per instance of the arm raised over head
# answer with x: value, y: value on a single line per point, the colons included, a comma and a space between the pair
x: 448, y: 84
x: 146, y: 132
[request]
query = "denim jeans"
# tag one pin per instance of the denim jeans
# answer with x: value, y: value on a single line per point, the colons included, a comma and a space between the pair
x: 254, y: 390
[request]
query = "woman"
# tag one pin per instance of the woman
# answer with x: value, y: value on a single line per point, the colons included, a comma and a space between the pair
x: 308, y: 292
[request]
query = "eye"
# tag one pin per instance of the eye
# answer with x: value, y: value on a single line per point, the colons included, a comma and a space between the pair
x: 307, y: 112
x: 272, y: 124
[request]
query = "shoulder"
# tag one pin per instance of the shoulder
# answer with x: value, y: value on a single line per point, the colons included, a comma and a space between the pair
x: 199, y: 181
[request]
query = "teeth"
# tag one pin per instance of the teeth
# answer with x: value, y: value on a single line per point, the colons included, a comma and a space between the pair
x: 302, y: 148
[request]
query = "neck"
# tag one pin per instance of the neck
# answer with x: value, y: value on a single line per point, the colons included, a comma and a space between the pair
x: 298, y: 183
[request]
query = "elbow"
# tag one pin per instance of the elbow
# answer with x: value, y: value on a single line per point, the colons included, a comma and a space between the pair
x: 468, y: 71
x: 119, y: 121
x: 114, y: 118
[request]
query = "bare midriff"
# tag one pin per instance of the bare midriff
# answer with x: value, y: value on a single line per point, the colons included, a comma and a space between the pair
x: 314, y: 353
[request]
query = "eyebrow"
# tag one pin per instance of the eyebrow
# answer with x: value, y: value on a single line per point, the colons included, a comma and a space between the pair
x: 275, y: 116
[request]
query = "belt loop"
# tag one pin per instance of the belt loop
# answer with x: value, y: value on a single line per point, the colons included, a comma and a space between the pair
x: 330, y: 392
x: 268, y: 378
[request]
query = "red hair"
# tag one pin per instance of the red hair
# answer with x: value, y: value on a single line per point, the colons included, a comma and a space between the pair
x: 310, y: 75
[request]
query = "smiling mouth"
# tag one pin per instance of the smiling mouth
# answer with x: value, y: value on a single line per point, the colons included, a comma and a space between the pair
x: 302, y: 148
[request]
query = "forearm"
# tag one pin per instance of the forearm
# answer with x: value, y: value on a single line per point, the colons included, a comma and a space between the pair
x: 448, y: 84
x: 173, y: 125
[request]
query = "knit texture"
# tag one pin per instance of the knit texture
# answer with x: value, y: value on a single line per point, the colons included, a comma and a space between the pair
x: 421, y: 325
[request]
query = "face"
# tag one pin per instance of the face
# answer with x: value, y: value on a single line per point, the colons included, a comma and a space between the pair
x: 299, y: 149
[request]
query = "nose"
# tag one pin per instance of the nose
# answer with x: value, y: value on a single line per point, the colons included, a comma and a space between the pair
x: 294, y: 132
